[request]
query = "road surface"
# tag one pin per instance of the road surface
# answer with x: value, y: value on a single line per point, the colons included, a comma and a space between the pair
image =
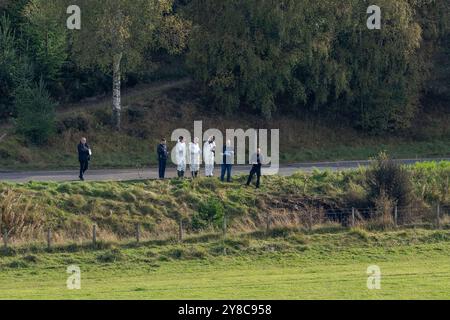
x: 152, y: 173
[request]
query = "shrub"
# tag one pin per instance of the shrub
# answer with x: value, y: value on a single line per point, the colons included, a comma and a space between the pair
x: 210, y: 213
x: 182, y: 253
x: 31, y: 258
x: 35, y: 113
x: 17, y: 264
x: 355, y: 196
x: 361, y: 234
x: 78, y: 123
x: 389, y: 179
x: 110, y: 256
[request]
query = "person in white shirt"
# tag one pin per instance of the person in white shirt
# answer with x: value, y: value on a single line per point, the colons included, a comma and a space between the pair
x: 181, y: 157
x: 209, y: 153
x: 195, y: 152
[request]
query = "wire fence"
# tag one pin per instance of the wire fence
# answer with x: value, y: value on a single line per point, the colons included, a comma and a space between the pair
x: 306, y: 219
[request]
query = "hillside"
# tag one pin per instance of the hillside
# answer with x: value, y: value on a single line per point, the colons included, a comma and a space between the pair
x: 155, y: 110
x: 302, y: 201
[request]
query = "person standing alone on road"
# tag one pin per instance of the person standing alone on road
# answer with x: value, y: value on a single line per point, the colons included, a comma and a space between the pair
x: 227, y: 161
x: 256, y: 160
x: 162, y: 158
x: 84, y: 156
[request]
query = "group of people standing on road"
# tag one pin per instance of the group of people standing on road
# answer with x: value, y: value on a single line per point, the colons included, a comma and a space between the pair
x: 193, y: 152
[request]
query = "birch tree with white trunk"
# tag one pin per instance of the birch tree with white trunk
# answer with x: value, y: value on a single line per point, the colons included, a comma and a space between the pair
x: 115, y: 35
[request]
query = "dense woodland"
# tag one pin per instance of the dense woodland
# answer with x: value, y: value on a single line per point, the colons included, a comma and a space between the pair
x: 261, y: 56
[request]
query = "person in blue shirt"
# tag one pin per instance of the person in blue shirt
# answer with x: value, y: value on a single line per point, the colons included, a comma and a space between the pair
x: 227, y: 161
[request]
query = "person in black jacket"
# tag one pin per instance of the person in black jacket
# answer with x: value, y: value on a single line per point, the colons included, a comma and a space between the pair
x: 163, y: 154
x: 84, y: 155
x: 256, y: 160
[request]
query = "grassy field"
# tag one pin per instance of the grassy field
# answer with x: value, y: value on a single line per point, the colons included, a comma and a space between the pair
x: 302, y: 256
x: 323, y: 264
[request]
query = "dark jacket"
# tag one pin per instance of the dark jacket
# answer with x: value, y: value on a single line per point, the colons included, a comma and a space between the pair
x: 257, y: 160
x: 162, y: 152
x: 83, y: 152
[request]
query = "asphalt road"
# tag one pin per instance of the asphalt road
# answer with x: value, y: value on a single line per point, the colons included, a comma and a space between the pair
x: 152, y: 173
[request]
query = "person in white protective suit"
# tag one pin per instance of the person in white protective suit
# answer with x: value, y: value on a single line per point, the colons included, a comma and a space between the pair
x: 195, y: 157
x: 181, y: 157
x: 209, y: 153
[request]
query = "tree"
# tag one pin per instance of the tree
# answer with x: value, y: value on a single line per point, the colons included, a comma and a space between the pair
x: 115, y: 35
x: 307, y: 55
x: 15, y: 70
x: 382, y: 68
x: 8, y: 60
x: 46, y: 38
x: 35, y: 112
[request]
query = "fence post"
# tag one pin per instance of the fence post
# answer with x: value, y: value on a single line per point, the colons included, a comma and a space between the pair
x: 5, y: 239
x: 138, y: 232
x: 396, y: 216
x: 180, y: 230
x: 267, y: 223
x: 224, y: 226
x: 353, y: 217
x: 438, y: 215
x: 94, y: 234
x: 49, y: 239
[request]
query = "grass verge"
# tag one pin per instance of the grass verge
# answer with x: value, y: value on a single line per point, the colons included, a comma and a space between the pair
x: 317, y: 265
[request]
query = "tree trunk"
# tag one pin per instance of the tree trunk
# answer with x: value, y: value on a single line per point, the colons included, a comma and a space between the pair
x: 117, y: 108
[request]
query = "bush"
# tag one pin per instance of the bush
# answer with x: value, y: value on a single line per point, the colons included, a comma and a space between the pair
x: 182, y: 253
x: 209, y: 213
x: 388, y: 179
x: 35, y: 113
x: 78, y: 123
x: 110, y: 256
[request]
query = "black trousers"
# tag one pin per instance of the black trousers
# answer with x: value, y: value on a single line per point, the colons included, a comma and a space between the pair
x: 162, y: 168
x: 84, y: 166
x: 256, y: 169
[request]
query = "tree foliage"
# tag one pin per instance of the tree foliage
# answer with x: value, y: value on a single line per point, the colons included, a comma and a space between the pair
x: 314, y: 56
x: 116, y: 35
x: 46, y: 36
x: 35, y: 112
x: 15, y: 69
x: 264, y: 56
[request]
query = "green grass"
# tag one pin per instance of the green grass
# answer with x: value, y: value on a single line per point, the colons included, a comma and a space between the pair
x: 70, y: 209
x: 397, y: 149
x: 319, y: 265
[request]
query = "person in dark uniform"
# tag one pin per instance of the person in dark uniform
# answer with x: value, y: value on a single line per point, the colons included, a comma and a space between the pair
x: 84, y: 156
x: 256, y: 160
x: 163, y: 154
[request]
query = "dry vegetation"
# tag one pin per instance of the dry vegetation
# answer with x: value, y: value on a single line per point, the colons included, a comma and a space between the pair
x: 302, y: 201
